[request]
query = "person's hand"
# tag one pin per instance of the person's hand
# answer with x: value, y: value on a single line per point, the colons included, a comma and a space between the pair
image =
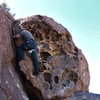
x: 38, y: 54
x: 17, y: 36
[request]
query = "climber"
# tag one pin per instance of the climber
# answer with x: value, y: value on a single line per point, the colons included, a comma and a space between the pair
x: 29, y: 45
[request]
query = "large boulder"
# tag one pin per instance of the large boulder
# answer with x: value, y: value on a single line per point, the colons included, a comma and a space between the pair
x: 10, y: 84
x: 63, y: 67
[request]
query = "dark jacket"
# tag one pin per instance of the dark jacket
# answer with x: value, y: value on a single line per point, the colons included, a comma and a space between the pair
x: 26, y: 35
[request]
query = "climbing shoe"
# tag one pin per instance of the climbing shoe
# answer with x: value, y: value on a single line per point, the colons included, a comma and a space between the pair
x: 35, y: 73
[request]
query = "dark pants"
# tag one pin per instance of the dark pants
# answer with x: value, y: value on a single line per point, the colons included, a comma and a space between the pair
x: 34, y: 58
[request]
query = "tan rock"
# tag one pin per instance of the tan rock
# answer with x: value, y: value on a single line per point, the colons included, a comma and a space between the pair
x: 63, y: 67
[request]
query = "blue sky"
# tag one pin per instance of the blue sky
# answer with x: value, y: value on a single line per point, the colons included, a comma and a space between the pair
x: 80, y: 17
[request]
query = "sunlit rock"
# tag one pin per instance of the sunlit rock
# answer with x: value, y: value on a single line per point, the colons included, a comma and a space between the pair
x: 63, y: 67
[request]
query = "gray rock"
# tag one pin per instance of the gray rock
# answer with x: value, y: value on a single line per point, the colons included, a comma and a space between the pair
x: 84, y: 96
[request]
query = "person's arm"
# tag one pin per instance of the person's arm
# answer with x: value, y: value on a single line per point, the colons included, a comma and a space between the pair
x: 16, y: 36
x: 38, y: 51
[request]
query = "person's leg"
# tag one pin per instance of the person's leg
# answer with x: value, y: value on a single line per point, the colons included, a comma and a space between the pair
x: 20, y: 51
x: 20, y: 54
x: 35, y: 62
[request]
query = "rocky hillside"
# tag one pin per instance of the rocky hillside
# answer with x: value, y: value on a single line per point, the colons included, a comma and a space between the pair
x: 63, y: 69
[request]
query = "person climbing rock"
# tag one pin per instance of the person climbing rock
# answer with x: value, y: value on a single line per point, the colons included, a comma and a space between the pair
x: 29, y: 45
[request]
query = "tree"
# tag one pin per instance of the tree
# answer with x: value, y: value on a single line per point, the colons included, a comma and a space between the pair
x: 5, y: 6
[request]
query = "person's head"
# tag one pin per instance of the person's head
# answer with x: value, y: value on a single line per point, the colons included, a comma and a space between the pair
x: 17, y: 26
x: 16, y: 23
x: 16, y: 30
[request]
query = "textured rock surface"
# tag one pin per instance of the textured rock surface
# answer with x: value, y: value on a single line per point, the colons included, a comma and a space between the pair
x: 10, y: 85
x: 84, y: 96
x: 63, y: 67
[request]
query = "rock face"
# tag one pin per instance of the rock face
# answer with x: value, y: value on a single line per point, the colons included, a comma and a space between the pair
x: 63, y: 67
x: 10, y: 85
x: 84, y: 96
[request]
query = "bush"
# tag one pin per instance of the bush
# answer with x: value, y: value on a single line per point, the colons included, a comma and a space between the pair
x: 5, y: 6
